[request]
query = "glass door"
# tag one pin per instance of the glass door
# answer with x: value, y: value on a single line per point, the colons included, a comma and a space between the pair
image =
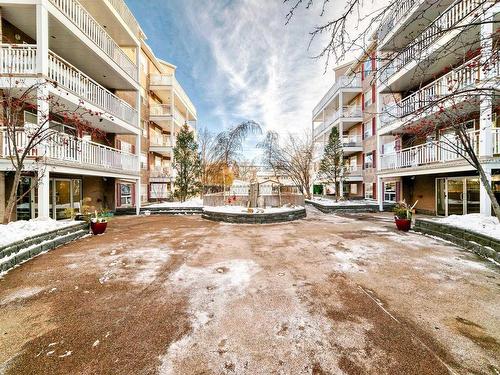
x: 441, y: 201
x: 62, y: 199
x: 472, y: 203
x: 25, y: 209
x: 456, y: 196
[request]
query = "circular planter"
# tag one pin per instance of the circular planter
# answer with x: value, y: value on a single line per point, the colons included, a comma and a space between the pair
x: 403, y: 224
x: 256, y: 218
x: 98, y: 228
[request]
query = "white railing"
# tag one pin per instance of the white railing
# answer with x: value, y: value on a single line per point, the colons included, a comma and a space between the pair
x: 123, y: 10
x: 160, y: 110
x: 447, y: 21
x: 354, y: 170
x: 160, y: 140
x: 352, y: 141
x: 170, y: 80
x: 160, y: 79
x: 85, y: 87
x: 18, y: 59
x: 466, y: 75
x: 67, y: 148
x: 341, y: 82
x: 82, y: 19
x: 160, y: 172
x: 179, y: 117
x: 347, y: 112
x: 399, y: 11
x: 428, y: 153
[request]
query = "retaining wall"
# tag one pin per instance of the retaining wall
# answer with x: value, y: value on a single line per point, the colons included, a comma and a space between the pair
x: 18, y: 252
x: 355, y: 208
x: 480, y: 244
x: 277, y: 217
x: 213, y: 200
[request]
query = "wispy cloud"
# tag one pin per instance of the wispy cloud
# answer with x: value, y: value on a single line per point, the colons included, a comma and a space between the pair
x: 261, y: 69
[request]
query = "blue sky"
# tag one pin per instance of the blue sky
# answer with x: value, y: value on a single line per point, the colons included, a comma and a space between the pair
x: 237, y: 60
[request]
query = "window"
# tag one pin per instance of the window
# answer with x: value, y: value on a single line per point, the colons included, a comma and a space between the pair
x: 144, y: 129
x: 367, y: 129
x: 368, y: 162
x: 390, y: 192
x: 368, y: 97
x: 354, y: 189
x: 369, y: 190
x: 125, y: 194
x: 389, y: 148
x: 367, y: 67
x: 144, y: 161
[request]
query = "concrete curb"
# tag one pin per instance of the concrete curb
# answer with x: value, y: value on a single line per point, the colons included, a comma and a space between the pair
x: 270, y: 218
x: 478, y: 243
x: 21, y: 251
x: 348, y: 208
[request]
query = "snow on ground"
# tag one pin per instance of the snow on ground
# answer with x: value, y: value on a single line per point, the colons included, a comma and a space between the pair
x: 20, y: 230
x: 244, y: 210
x: 21, y: 294
x: 331, y: 202
x: 487, y: 225
x: 193, y: 202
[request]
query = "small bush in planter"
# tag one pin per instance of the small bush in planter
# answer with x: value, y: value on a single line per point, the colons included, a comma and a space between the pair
x: 403, y: 213
x: 98, y: 223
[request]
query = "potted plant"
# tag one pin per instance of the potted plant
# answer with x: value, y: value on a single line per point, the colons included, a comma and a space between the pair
x: 98, y: 224
x: 403, y: 214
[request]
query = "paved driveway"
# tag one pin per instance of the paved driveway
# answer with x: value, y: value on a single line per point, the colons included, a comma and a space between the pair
x: 324, y: 295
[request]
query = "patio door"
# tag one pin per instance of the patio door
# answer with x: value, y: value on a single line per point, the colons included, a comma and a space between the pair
x: 457, y: 196
x: 25, y: 208
x: 65, y: 197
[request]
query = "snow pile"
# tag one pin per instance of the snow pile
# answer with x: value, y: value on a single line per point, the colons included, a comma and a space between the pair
x: 20, y: 230
x: 331, y: 202
x: 487, y: 225
x: 244, y: 210
x: 193, y: 202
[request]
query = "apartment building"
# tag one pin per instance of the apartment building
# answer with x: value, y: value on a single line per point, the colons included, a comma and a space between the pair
x: 95, y: 52
x: 429, y: 65
x: 350, y: 105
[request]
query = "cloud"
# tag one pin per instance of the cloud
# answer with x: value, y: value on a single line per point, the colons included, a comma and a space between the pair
x: 262, y: 68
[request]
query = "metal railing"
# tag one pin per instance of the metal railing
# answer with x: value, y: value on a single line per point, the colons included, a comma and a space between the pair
x: 400, y: 10
x: 123, y: 10
x: 346, y: 112
x: 18, y: 59
x: 447, y: 21
x: 352, y: 141
x: 67, y: 148
x: 428, y: 153
x: 341, y: 82
x: 160, y: 110
x: 82, y: 19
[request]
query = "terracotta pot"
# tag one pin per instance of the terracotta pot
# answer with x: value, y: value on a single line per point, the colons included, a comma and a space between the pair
x: 98, y: 228
x: 403, y: 224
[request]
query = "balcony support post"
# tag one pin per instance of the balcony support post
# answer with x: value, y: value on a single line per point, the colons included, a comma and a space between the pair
x: 42, y: 38
x: 380, y: 191
x: 484, y: 198
x: 42, y: 169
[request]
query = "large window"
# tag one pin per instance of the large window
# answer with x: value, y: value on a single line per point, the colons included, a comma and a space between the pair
x: 368, y: 162
x: 367, y: 67
x: 368, y: 97
x: 125, y: 194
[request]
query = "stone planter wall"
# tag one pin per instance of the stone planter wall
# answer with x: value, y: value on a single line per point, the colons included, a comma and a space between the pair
x: 243, y: 218
x: 18, y: 252
x: 480, y: 244
x: 213, y: 200
x: 355, y: 208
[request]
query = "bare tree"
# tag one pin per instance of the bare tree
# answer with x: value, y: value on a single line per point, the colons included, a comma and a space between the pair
x: 293, y: 158
x: 26, y: 144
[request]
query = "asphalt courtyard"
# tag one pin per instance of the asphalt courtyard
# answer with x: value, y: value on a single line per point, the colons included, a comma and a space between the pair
x: 180, y: 295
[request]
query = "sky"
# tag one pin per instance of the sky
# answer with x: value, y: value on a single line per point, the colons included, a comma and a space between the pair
x: 237, y: 60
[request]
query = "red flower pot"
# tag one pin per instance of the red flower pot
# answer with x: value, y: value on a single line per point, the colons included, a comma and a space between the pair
x: 98, y: 228
x: 403, y: 224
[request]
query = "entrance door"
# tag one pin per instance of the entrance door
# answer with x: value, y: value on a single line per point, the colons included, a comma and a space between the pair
x: 62, y: 199
x: 456, y: 197
x: 473, y: 186
x: 25, y: 209
x: 441, y: 201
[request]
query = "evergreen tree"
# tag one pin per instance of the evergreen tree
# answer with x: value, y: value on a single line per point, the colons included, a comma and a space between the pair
x: 187, y: 163
x: 331, y: 167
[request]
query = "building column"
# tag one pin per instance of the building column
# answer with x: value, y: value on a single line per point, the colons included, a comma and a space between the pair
x: 172, y: 141
x: 486, y: 105
x: 380, y: 194
x: 484, y: 198
x: 138, y: 186
x: 43, y: 107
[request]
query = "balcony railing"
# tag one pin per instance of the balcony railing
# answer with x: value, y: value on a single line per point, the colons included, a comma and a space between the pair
x: 69, y: 149
x: 21, y: 59
x: 170, y: 80
x: 341, y: 82
x: 160, y: 172
x: 123, y: 10
x: 465, y: 76
x: 82, y: 19
x: 160, y: 110
x: 354, y: 170
x: 346, y: 112
x: 399, y: 11
x: 160, y: 140
x: 447, y: 21
x: 429, y: 153
x: 352, y: 141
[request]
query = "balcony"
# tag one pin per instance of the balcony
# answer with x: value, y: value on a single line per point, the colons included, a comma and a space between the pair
x: 82, y: 19
x: 400, y: 11
x: 352, y: 141
x: 160, y: 174
x: 160, y: 110
x: 343, y: 82
x: 69, y: 150
x: 447, y: 24
x: 432, y: 153
x: 161, y: 144
x: 354, y: 171
x: 21, y: 60
x: 123, y: 10
x: 160, y: 82
x: 346, y: 113
x: 427, y: 100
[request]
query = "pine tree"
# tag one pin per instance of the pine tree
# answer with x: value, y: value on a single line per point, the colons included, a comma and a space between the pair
x: 331, y: 167
x: 187, y: 163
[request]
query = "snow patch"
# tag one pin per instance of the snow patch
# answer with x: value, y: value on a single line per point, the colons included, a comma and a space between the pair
x: 21, y: 294
x: 193, y: 202
x: 487, y: 225
x: 256, y: 211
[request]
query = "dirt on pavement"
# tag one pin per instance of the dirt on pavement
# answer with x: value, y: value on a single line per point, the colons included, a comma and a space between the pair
x: 180, y: 295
